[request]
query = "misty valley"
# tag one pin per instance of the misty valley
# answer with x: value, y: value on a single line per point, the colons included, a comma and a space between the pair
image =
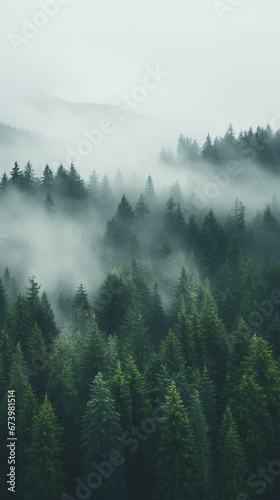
x: 140, y: 325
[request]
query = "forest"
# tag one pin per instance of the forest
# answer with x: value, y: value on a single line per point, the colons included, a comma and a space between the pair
x: 157, y: 375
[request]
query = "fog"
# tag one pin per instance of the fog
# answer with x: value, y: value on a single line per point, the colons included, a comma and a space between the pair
x: 104, y: 85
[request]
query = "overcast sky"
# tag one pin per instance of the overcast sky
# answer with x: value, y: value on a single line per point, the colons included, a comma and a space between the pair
x: 222, y: 66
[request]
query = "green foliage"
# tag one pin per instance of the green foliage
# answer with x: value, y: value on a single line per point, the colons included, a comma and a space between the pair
x: 177, y: 462
x: 44, y: 456
x: 111, y: 303
x: 156, y: 318
x: 202, y: 443
x: 232, y: 465
x: 213, y: 334
x: 101, y: 435
x: 187, y: 313
x: 3, y: 306
x: 135, y: 340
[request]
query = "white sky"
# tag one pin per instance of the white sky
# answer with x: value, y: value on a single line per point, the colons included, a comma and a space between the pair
x: 94, y: 50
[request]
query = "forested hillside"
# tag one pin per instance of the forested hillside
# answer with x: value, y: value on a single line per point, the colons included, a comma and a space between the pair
x: 158, y: 378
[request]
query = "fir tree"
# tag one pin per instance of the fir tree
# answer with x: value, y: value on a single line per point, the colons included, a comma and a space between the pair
x: 141, y: 209
x: 81, y: 310
x: 16, y: 176
x: 101, y: 435
x: 202, y: 443
x: 171, y: 354
x: 47, y: 181
x: 3, y: 306
x: 156, y: 319
x: 122, y: 396
x: 49, y: 204
x: 177, y: 462
x: 232, y: 465
x: 44, y: 456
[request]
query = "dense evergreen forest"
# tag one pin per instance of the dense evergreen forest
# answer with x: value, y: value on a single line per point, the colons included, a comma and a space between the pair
x: 262, y: 146
x: 162, y: 381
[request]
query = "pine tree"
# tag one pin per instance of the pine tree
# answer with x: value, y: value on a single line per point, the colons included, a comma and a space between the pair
x: 213, y: 334
x: 101, y: 435
x: 10, y: 286
x: 273, y: 334
x: 4, y: 183
x: 37, y: 360
x: 135, y: 340
x: 91, y: 352
x: 125, y: 213
x: 182, y: 292
x: 175, y: 193
x: 61, y: 180
x: 61, y: 385
x: 238, y: 343
x: 44, y: 456
x: 156, y: 319
x: 19, y: 321
x: 213, y: 244
x: 33, y: 290
x: 139, y: 464
x: 3, y: 306
x: 171, y: 354
x: 94, y: 187
x: 49, y: 204
x: 112, y: 354
x: 47, y: 181
x: 16, y: 176
x: 28, y: 180
x: 202, y: 443
x: 208, y: 398
x: 266, y: 373
x: 141, y: 209
x: 6, y: 349
x: 63, y: 394
x: 182, y: 149
x: 194, y: 325
x: 47, y: 321
x: 75, y: 185
x: 26, y: 407
x: 169, y: 215
x: 177, y: 462
x: 255, y: 424
x: 149, y: 192
x: 111, y: 302
x: 81, y: 310
x: 121, y: 394
x: 232, y: 465
x: 185, y: 334
x: 179, y: 226
x: 207, y: 151
x: 142, y: 289
x: 106, y: 196
x: 141, y: 405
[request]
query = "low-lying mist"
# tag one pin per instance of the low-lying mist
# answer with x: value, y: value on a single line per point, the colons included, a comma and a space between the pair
x: 64, y: 246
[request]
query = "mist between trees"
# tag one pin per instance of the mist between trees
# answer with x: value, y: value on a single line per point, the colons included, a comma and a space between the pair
x: 116, y: 292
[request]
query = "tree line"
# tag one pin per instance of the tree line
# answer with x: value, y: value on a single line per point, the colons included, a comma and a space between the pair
x: 165, y: 383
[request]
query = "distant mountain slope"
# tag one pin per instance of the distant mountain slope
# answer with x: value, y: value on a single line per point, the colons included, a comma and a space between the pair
x: 52, y: 129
